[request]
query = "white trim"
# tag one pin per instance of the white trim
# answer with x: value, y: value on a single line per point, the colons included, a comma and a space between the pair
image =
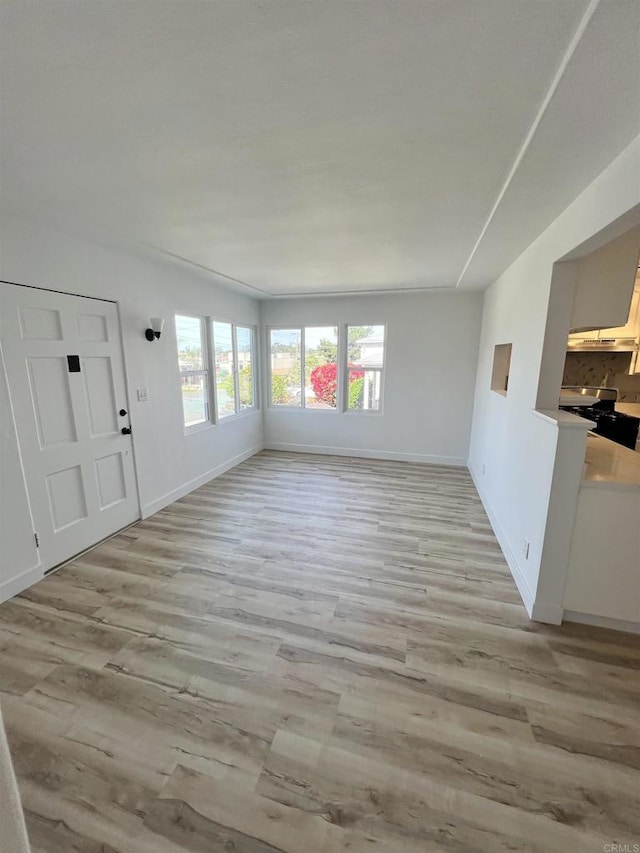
x: 253, y: 362
x: 128, y: 395
x: 181, y: 491
x: 602, y: 621
x: 564, y: 62
x: 365, y: 291
x: 366, y: 453
x: 231, y: 419
x: 548, y: 612
x: 198, y: 427
x: 527, y: 596
x: 23, y: 581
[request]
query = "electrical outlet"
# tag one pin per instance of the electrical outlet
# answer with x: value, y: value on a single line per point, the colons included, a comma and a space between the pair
x: 484, y: 469
x: 525, y: 549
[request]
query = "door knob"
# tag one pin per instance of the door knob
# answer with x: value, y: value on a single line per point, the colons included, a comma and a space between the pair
x: 126, y: 430
x: 122, y: 412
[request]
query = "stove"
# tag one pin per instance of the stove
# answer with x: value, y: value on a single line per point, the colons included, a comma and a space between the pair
x: 616, y: 426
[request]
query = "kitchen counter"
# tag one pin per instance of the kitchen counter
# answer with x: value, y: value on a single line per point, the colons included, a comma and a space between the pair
x: 629, y: 409
x: 608, y: 463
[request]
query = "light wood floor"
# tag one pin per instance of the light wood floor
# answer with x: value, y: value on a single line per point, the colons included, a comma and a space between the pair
x: 313, y: 654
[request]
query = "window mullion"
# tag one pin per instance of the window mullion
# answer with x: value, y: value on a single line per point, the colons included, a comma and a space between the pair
x: 207, y: 337
x: 342, y: 368
x: 303, y: 402
x: 236, y: 375
x: 254, y: 363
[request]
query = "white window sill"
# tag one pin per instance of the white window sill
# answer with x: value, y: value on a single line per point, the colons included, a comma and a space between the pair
x: 197, y: 428
x: 245, y: 413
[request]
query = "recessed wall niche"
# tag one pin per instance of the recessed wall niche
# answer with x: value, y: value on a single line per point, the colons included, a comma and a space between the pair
x: 501, y: 366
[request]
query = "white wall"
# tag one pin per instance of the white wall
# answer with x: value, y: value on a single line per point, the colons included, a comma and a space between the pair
x: 515, y: 448
x: 432, y: 341
x: 169, y: 463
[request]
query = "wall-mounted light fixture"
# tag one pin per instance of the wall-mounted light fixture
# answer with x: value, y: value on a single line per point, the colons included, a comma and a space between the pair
x: 157, y: 325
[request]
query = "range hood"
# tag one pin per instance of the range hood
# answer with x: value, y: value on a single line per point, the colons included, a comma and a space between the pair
x: 576, y: 344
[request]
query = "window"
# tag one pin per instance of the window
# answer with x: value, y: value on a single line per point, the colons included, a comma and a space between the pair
x: 245, y: 360
x: 304, y: 367
x: 224, y: 362
x: 320, y: 367
x: 234, y: 368
x: 194, y: 374
x: 365, y: 364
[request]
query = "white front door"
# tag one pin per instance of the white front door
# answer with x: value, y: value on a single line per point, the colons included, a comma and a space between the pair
x: 65, y: 369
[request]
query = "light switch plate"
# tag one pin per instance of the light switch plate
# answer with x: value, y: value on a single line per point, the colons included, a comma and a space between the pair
x: 143, y: 395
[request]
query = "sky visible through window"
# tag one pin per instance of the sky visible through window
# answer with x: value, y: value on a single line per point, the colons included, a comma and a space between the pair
x: 188, y: 333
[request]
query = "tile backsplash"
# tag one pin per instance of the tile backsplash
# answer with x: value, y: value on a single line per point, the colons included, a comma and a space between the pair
x: 603, y: 369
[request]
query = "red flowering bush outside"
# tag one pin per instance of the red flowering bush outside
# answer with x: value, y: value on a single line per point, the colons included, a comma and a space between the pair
x: 324, y: 381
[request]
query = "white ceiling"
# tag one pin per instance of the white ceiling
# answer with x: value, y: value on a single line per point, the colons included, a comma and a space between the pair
x: 321, y: 146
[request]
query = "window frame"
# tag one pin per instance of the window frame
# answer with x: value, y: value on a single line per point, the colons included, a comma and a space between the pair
x: 345, y: 373
x: 247, y: 410
x: 303, y: 406
x: 205, y: 372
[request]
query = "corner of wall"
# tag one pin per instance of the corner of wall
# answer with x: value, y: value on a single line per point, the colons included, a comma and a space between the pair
x: 526, y: 594
x: 186, y: 488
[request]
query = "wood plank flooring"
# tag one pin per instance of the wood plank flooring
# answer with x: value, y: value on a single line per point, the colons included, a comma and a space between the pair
x: 314, y: 655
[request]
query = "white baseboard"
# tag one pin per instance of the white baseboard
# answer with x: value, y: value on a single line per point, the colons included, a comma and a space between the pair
x: 360, y: 453
x: 527, y: 596
x: 602, y: 621
x: 547, y: 612
x: 181, y: 491
x: 16, y: 585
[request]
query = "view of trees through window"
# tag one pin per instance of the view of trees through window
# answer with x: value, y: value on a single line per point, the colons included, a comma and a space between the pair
x: 233, y: 361
x: 192, y: 361
x: 223, y: 365
x: 304, y: 367
x: 320, y: 367
x: 365, y: 362
x: 233, y: 348
x: 244, y: 340
x: 286, y: 367
x: 305, y: 370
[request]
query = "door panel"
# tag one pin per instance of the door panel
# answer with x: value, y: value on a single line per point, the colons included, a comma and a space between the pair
x: 78, y: 466
x: 41, y: 324
x: 67, y: 498
x: 51, y: 400
x: 98, y: 380
x: 111, y: 480
x: 93, y: 328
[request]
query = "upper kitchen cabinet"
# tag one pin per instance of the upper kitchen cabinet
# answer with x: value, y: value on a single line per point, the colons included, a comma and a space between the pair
x: 604, y: 280
x: 585, y: 336
x: 632, y: 327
